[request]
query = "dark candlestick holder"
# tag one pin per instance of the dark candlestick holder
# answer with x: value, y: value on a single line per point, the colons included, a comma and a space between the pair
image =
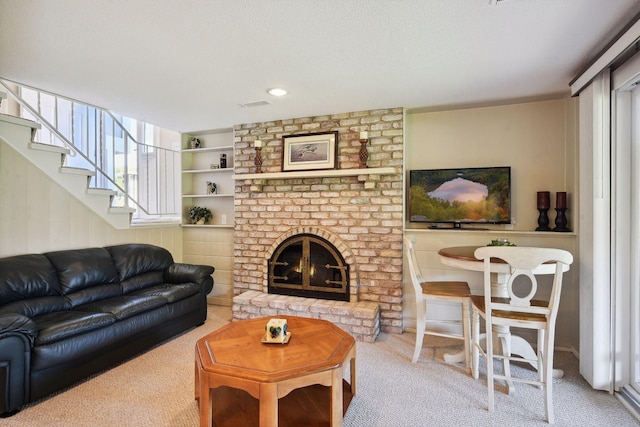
x: 543, y: 220
x: 258, y: 159
x: 561, y: 220
x: 364, y: 154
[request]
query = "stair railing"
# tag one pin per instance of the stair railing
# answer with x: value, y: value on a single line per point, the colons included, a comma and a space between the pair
x: 144, y: 176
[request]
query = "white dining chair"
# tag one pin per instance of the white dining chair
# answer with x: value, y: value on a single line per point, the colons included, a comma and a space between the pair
x: 519, y: 309
x: 429, y: 291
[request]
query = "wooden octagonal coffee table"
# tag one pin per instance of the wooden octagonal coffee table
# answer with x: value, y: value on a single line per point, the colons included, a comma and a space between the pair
x: 234, y: 358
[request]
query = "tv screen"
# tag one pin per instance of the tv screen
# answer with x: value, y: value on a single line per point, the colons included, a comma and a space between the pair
x: 469, y: 196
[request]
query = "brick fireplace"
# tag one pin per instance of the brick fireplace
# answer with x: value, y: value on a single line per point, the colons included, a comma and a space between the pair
x: 360, y: 214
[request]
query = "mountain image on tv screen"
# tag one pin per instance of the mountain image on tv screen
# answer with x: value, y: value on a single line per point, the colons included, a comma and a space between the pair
x: 472, y: 195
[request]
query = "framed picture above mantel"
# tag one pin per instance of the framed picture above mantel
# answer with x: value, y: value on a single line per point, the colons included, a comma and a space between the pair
x: 312, y: 151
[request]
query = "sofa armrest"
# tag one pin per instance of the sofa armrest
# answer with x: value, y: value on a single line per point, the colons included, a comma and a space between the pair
x: 17, y: 335
x: 189, y: 273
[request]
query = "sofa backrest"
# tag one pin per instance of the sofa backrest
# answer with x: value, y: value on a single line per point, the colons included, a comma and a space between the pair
x: 85, y: 275
x: 139, y: 265
x: 29, y: 285
x: 27, y: 276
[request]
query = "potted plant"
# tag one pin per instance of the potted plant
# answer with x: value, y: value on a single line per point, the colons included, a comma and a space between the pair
x: 199, y: 215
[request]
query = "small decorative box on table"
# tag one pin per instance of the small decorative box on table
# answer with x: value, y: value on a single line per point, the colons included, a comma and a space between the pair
x: 276, y: 332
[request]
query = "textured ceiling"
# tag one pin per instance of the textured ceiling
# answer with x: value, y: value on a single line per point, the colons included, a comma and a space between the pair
x: 187, y: 65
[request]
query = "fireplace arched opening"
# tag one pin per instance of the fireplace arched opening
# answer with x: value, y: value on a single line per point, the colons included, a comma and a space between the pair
x: 309, y: 266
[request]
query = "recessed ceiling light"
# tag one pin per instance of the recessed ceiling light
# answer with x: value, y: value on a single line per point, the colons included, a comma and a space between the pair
x: 277, y: 92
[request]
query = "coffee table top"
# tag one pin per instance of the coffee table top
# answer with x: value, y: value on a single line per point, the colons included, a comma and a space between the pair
x: 237, y: 350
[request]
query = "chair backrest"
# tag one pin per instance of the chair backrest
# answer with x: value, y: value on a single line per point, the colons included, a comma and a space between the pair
x: 414, y: 270
x: 527, y: 262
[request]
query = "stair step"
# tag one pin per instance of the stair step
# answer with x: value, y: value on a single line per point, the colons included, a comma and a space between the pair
x: 101, y: 191
x: 76, y: 171
x: 48, y: 147
x: 19, y: 121
x: 126, y: 210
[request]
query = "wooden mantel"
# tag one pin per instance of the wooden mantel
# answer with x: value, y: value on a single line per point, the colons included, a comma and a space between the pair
x: 318, y: 173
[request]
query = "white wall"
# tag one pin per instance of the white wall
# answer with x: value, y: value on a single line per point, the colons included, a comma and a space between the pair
x: 212, y: 246
x: 539, y: 141
x: 37, y: 215
x: 536, y: 139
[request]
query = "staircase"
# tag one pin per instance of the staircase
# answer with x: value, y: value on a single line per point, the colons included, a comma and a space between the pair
x: 126, y: 159
x: 50, y: 159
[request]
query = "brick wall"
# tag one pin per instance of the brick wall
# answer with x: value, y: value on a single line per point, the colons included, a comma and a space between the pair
x: 362, y: 212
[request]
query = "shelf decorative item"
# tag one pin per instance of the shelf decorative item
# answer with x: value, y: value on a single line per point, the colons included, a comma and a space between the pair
x: 561, y: 209
x: 543, y: 208
x: 195, y: 142
x: 199, y: 215
x: 212, y: 188
x: 364, y: 154
x: 258, y: 159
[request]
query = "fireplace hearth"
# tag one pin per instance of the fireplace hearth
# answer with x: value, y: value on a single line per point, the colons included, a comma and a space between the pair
x: 308, y: 266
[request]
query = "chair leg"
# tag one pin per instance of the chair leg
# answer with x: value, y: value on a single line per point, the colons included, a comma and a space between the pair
x: 505, y: 342
x: 421, y: 318
x: 475, y: 351
x: 548, y: 376
x: 466, y: 333
x: 541, y: 352
x: 489, y: 352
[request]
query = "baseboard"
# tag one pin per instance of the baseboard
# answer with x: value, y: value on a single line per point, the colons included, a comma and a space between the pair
x: 226, y: 302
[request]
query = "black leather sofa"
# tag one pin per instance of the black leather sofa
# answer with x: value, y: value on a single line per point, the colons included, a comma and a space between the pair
x: 68, y: 314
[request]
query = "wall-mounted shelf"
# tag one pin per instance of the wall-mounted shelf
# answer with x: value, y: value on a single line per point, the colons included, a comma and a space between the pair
x: 318, y: 174
x: 208, y: 225
x: 206, y: 195
x: 500, y: 233
x: 225, y: 170
x: 204, y: 150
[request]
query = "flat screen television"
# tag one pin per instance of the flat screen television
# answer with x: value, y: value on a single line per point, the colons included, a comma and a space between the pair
x: 460, y: 196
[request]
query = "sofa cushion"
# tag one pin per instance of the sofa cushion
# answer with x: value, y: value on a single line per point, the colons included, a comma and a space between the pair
x: 125, y: 306
x: 58, y: 326
x: 171, y: 292
x: 33, y: 307
x: 81, y: 268
x: 134, y: 259
x: 143, y: 280
x: 27, y: 276
x: 94, y: 293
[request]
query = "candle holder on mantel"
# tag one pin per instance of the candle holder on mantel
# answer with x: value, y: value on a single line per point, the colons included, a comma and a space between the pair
x: 258, y: 159
x: 561, y: 209
x: 561, y: 220
x: 364, y: 154
x: 543, y: 208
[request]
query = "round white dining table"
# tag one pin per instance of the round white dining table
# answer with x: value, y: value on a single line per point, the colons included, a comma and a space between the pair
x: 463, y: 257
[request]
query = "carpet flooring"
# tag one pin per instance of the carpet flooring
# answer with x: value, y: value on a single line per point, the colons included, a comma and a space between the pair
x: 156, y: 389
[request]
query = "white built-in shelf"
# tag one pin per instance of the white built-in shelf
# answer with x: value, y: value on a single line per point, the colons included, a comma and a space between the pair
x: 219, y: 170
x: 318, y: 173
x: 208, y: 225
x: 202, y: 150
x: 206, y: 195
x: 510, y: 233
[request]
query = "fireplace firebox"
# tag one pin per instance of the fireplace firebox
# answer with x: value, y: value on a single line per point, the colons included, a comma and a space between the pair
x: 309, y: 266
